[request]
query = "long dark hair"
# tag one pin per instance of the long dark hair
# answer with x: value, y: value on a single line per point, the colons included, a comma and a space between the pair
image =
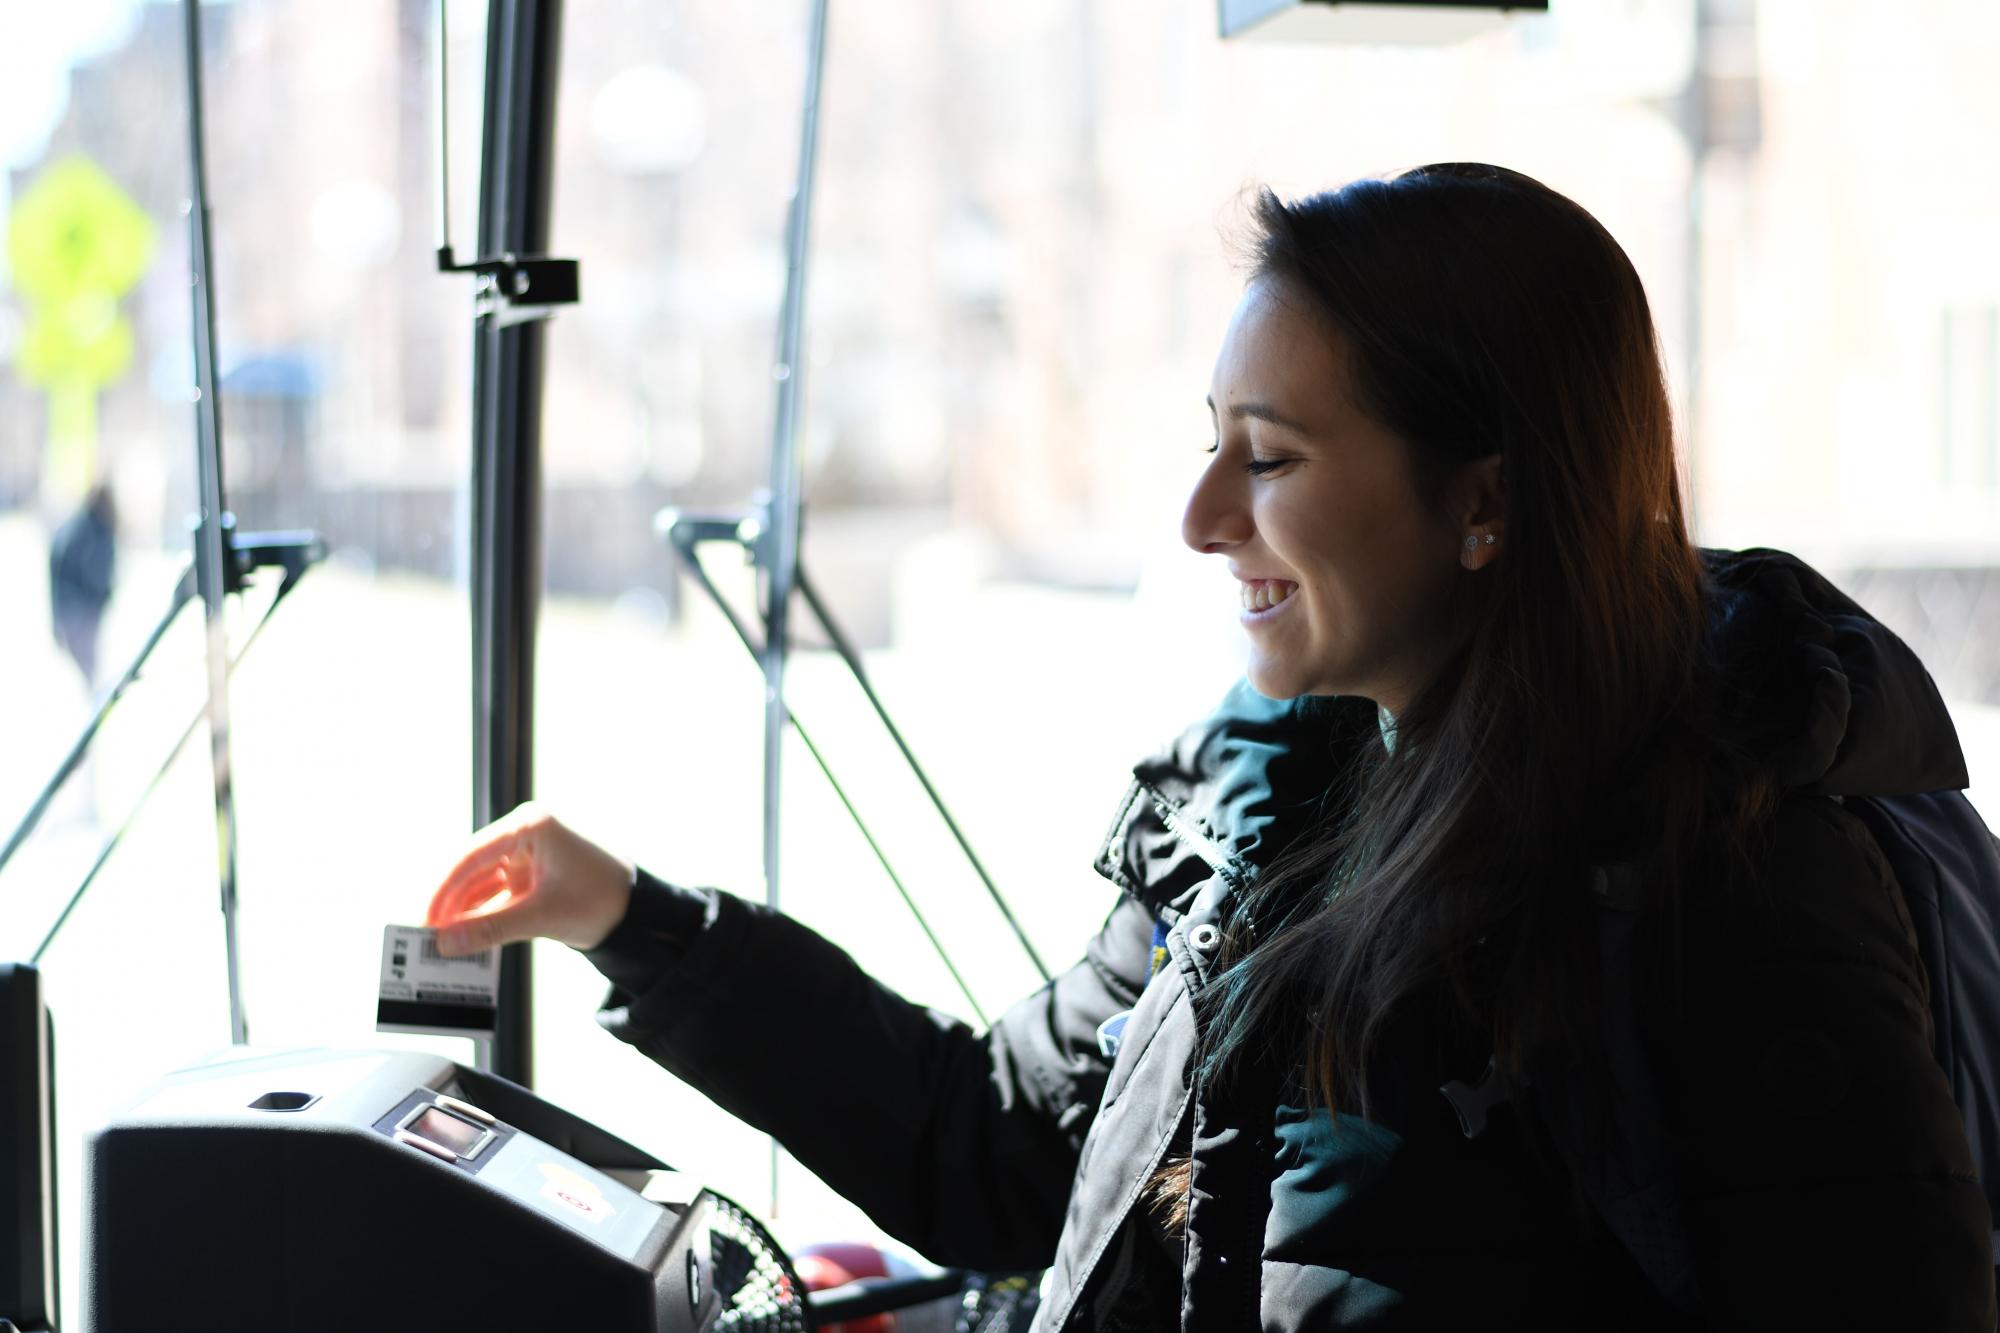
x: 1483, y: 313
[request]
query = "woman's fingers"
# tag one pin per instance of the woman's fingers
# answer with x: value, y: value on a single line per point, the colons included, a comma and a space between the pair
x: 508, y: 838
x: 493, y: 896
x: 508, y: 925
x: 469, y: 897
x: 487, y: 914
x: 452, y: 896
x: 483, y: 856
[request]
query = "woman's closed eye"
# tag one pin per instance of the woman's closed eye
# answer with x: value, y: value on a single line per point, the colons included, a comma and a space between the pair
x: 1257, y: 466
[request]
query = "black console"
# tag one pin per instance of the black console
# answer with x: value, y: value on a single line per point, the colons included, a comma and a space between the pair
x: 318, y: 1191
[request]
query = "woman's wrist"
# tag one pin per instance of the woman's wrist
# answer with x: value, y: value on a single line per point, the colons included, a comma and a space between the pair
x: 661, y: 921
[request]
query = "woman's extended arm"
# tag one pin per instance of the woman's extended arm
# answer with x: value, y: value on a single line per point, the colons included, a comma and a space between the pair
x: 961, y: 1144
x: 958, y: 1143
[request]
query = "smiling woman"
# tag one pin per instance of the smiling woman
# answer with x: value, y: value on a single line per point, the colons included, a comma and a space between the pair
x: 1444, y: 472
x: 1420, y: 365
x: 1350, y: 568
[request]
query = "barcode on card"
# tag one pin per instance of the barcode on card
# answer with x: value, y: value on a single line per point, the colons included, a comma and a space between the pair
x: 483, y: 958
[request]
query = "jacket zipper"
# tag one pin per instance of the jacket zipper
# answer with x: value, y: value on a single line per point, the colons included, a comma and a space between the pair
x: 1247, y: 1281
x: 1218, y: 860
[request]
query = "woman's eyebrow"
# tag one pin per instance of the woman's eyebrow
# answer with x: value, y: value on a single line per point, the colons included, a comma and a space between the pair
x: 1262, y: 412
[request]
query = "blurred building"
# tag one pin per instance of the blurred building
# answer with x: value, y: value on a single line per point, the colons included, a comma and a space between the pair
x: 1022, y: 262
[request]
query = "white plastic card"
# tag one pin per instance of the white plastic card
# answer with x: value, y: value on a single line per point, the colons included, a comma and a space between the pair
x: 424, y: 991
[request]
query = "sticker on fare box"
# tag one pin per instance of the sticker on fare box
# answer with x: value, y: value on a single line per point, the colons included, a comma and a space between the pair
x: 580, y: 1195
x: 424, y: 991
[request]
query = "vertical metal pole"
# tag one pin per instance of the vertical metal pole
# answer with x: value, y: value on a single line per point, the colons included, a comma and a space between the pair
x: 781, y: 540
x: 522, y: 64
x: 211, y: 538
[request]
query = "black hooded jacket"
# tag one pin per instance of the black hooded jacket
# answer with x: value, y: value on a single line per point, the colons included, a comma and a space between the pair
x: 1822, y: 1170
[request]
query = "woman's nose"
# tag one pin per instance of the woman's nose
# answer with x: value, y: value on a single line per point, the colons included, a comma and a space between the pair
x: 1216, y: 517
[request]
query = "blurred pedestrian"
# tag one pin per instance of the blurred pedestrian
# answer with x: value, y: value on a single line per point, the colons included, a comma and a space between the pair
x: 83, y: 560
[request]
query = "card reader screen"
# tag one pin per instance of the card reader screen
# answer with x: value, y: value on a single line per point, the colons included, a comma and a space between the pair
x: 447, y: 1130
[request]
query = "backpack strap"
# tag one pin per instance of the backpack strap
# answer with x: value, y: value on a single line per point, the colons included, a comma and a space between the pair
x: 1946, y: 864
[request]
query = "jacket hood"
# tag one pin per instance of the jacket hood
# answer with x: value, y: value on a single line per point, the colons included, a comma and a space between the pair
x: 1832, y: 700
x: 1843, y: 707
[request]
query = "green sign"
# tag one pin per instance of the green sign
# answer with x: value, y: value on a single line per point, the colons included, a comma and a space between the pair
x: 76, y: 243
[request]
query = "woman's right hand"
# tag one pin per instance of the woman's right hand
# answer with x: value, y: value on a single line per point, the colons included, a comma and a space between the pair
x: 527, y: 875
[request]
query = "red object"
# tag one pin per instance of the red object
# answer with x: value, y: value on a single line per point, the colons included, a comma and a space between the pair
x: 836, y: 1265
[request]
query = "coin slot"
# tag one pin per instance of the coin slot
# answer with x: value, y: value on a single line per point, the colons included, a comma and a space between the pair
x: 284, y: 1101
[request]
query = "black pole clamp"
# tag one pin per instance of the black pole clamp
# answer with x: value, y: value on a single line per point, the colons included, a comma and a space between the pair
x: 517, y: 280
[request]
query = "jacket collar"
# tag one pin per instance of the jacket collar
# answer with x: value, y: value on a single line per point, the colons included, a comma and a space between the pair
x: 1222, y: 799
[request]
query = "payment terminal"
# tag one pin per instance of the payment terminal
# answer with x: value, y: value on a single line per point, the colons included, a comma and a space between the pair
x: 313, y: 1191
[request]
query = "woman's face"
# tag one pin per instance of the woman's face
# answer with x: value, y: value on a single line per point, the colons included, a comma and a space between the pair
x: 1349, y: 578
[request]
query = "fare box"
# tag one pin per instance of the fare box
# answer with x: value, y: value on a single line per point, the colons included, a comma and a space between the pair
x: 424, y: 991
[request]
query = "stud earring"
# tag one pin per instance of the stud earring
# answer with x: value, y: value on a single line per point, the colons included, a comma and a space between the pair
x: 1490, y: 539
x: 1472, y: 543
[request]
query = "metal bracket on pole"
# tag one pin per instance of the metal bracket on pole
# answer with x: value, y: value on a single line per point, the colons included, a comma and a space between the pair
x: 293, y: 553
x: 685, y: 533
x: 516, y: 288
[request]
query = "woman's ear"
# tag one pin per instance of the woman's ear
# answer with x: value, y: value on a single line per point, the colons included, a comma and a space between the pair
x: 1479, y: 510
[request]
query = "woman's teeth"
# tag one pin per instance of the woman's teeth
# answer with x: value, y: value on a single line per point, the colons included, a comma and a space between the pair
x: 1265, y: 594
